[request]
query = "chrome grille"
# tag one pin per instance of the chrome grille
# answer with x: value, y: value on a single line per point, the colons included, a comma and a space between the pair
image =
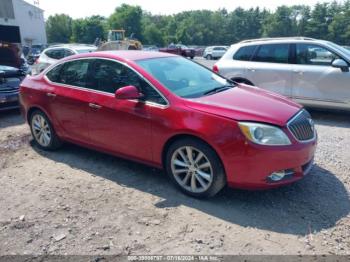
x: 302, y: 126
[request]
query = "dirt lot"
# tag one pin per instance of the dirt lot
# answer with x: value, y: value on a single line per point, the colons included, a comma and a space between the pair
x: 78, y: 201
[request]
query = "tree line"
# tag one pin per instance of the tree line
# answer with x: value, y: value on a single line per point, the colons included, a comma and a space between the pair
x: 329, y: 21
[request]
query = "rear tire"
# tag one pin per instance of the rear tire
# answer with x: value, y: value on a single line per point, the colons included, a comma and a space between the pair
x: 195, y: 168
x: 43, y: 132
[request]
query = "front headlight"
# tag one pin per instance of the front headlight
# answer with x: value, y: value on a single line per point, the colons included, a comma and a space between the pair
x: 263, y: 134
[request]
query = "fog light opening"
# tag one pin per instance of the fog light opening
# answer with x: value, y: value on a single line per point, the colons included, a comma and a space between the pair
x: 277, y: 176
x: 280, y: 175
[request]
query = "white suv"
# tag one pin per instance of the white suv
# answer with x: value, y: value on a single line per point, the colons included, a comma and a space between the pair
x: 56, y: 52
x: 312, y: 72
x: 214, y: 52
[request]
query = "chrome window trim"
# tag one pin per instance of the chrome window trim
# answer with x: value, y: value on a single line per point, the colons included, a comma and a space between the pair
x: 290, y: 131
x: 102, y: 92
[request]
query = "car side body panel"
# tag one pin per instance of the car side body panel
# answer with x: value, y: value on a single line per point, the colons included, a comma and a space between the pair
x: 141, y: 131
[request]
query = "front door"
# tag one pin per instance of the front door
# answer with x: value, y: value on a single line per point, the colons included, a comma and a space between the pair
x: 120, y: 126
x: 315, y: 81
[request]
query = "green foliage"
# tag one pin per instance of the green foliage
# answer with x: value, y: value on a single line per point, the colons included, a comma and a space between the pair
x: 282, y: 23
x: 88, y: 29
x: 127, y: 17
x: 330, y: 21
x: 59, y: 28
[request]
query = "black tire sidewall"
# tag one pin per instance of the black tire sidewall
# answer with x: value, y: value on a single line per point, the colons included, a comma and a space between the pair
x: 219, y: 177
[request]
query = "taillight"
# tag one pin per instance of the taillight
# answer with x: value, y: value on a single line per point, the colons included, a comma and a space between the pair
x: 216, y: 69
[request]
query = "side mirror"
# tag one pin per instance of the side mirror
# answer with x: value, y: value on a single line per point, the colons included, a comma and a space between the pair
x: 128, y: 92
x: 341, y: 64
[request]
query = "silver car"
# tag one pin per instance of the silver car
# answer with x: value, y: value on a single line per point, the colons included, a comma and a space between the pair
x: 56, y: 52
x: 312, y: 72
x: 214, y: 52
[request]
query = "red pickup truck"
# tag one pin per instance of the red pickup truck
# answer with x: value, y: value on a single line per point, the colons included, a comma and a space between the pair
x: 179, y: 50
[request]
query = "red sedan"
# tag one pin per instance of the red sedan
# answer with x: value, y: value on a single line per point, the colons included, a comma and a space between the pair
x: 171, y: 113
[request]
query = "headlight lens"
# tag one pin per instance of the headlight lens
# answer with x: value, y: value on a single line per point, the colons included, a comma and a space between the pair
x: 264, y: 134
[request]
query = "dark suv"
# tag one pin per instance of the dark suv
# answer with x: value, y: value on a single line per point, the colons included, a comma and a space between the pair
x: 12, y: 71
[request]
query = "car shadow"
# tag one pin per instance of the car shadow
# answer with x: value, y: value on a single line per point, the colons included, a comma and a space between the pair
x: 330, y: 117
x: 10, y: 118
x: 317, y: 202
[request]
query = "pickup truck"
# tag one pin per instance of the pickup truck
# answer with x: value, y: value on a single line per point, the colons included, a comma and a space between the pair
x: 179, y: 50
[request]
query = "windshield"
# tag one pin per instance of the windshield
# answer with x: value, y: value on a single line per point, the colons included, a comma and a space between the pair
x: 183, y: 77
x: 340, y: 48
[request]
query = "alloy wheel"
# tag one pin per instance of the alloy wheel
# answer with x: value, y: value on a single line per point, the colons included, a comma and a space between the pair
x: 191, y: 169
x: 41, y: 130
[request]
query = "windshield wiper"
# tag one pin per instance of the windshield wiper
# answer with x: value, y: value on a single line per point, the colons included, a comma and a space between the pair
x: 218, y: 89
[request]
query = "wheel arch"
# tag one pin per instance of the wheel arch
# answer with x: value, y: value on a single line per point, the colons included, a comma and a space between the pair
x: 34, y: 108
x: 177, y: 137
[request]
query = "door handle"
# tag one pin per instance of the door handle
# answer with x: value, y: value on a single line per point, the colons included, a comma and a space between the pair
x: 251, y: 69
x: 50, y: 94
x: 94, y: 106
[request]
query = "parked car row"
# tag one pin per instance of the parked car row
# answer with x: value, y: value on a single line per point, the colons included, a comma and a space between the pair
x: 206, y: 128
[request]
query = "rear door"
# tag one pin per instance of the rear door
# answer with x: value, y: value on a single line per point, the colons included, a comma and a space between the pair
x: 120, y: 126
x: 315, y: 81
x: 68, y: 98
x: 270, y: 68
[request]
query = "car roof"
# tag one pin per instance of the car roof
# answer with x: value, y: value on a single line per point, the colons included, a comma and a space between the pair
x: 72, y: 46
x: 126, y: 55
x: 278, y: 40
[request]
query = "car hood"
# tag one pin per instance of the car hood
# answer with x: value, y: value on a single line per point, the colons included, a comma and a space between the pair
x: 247, y: 103
x: 9, y: 57
x: 10, y: 71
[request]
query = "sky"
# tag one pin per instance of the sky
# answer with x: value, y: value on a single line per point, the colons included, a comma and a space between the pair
x: 84, y: 8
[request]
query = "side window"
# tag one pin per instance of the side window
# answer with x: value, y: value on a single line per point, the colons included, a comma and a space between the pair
x: 245, y: 53
x: 309, y: 54
x: 275, y: 53
x: 109, y: 76
x: 55, y: 53
x: 74, y: 73
x: 106, y: 76
x: 54, y: 75
x: 68, y: 52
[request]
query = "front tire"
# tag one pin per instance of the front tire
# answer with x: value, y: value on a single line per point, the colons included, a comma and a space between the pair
x: 42, y: 131
x: 195, y: 168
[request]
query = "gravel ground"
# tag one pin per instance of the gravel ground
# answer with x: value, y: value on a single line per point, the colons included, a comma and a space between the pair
x: 78, y: 201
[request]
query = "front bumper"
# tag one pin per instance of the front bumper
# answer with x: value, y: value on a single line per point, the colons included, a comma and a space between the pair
x: 9, y: 101
x: 252, y: 169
